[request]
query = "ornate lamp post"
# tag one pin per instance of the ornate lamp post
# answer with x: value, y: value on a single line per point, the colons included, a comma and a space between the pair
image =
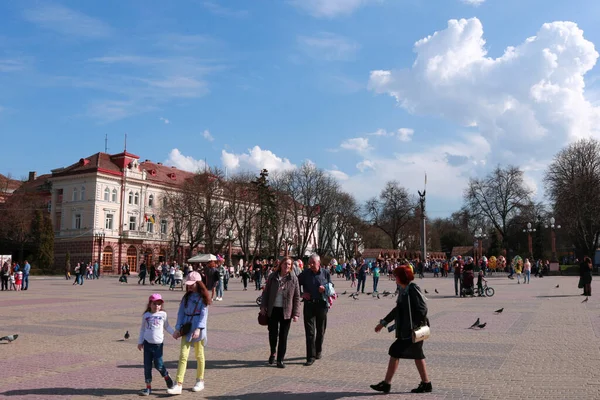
x: 553, y: 227
x: 355, y: 240
x: 229, y: 239
x: 529, y: 230
x: 99, y: 237
x: 479, y: 235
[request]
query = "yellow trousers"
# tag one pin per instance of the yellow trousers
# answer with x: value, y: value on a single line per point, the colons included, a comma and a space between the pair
x: 183, y: 359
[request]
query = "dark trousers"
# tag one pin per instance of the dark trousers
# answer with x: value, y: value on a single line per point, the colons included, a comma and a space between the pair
x: 25, y: 283
x: 315, y: 317
x: 278, y: 329
x: 361, y: 281
x: 142, y: 278
x: 4, y: 282
x: 457, y: 282
x: 375, y: 282
x: 225, y: 282
x: 245, y: 282
x: 153, y: 354
x: 587, y: 289
x: 257, y: 281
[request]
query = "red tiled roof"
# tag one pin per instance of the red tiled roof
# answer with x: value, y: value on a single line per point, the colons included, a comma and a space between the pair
x: 165, y: 175
x: 9, y: 185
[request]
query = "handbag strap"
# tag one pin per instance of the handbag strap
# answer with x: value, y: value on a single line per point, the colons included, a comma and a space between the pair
x: 409, y: 309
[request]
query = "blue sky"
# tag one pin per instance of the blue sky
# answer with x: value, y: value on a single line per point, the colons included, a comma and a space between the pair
x: 342, y: 83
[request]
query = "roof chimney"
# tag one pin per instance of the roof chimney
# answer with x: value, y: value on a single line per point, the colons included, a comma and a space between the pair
x: 32, y: 176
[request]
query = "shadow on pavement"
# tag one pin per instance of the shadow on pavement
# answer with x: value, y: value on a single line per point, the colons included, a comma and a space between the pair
x: 298, y: 396
x: 220, y: 364
x: 560, y: 295
x: 61, y: 391
x: 243, y: 305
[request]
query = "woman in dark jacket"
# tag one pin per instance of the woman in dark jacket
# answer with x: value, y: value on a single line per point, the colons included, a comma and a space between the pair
x: 281, y: 302
x: 403, y: 347
x: 585, y: 276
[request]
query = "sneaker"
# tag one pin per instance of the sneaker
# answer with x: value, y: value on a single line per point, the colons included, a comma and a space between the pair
x: 382, y: 386
x: 146, y: 392
x: 169, y: 381
x: 309, y: 362
x: 280, y: 364
x: 424, y: 387
x: 199, y: 386
x: 175, y: 389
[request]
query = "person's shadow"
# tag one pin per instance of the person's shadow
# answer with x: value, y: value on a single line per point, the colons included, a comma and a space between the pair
x: 63, y: 392
x: 221, y: 364
x: 297, y: 396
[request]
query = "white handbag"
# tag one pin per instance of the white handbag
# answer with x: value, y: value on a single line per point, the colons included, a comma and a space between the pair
x: 419, y: 334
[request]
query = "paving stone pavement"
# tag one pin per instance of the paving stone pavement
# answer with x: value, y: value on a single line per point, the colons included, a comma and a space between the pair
x: 546, y: 344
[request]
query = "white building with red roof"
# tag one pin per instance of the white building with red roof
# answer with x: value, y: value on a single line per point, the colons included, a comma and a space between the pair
x: 107, y: 207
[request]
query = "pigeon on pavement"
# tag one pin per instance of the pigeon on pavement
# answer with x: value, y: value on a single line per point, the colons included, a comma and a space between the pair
x: 378, y: 296
x: 426, y: 292
x: 436, y: 290
x: 499, y: 311
x: 475, y: 324
x: 126, y: 335
x: 9, y: 338
x: 482, y: 325
x: 345, y: 291
x: 557, y: 286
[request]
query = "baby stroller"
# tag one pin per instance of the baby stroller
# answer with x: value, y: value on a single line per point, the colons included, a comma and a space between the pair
x: 468, y: 284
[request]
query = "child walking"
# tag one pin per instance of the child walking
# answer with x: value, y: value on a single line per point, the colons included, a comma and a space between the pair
x: 191, y: 328
x: 154, y: 321
x: 480, y: 280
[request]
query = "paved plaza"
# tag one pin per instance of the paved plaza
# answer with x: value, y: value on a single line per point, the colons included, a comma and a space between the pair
x: 546, y: 344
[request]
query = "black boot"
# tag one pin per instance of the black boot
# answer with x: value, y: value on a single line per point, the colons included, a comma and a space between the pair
x: 424, y: 387
x: 382, y: 387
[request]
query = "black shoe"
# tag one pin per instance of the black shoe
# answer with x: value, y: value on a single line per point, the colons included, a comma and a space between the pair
x: 318, y: 357
x: 280, y: 364
x: 169, y: 381
x: 382, y: 387
x: 424, y: 387
x: 309, y: 362
x: 271, y: 360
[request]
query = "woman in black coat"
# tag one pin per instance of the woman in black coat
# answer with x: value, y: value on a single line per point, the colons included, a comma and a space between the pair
x: 403, y: 347
x: 585, y: 276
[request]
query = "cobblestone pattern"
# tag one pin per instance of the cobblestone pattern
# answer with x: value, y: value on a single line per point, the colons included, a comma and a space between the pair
x: 546, y: 344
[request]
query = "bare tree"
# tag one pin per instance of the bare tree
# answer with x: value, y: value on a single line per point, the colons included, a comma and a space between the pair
x: 311, y: 193
x: 175, y: 208
x: 392, y: 211
x: 573, y: 184
x: 498, y: 198
x: 337, y: 226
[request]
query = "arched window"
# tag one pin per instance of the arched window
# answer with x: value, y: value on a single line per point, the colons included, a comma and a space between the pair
x: 82, y: 197
x: 75, y: 192
x: 106, y: 194
x: 136, y: 198
x: 151, y: 200
x: 130, y: 197
x: 114, y: 195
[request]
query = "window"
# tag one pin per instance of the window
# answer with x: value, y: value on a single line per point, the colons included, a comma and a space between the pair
x: 151, y: 200
x: 82, y: 197
x: 106, y: 194
x: 163, y: 226
x: 77, y: 221
x: 108, y: 223
x: 75, y: 192
x: 107, y: 259
x: 132, y: 223
x: 114, y: 195
x: 136, y: 198
x: 130, y: 197
x: 165, y: 201
x: 150, y: 226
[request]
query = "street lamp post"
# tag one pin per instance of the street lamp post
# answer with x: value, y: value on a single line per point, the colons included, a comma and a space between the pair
x: 529, y: 230
x: 230, y: 239
x: 355, y: 240
x: 99, y: 236
x: 288, y: 242
x: 479, y: 235
x: 553, y: 227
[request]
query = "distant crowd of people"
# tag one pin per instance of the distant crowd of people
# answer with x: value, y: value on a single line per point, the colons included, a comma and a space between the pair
x: 14, y: 277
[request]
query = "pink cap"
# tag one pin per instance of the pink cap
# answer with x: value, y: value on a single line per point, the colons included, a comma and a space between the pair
x: 193, y: 277
x: 156, y: 297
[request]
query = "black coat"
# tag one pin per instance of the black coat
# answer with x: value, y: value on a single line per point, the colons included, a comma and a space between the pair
x: 400, y: 313
x: 585, y: 273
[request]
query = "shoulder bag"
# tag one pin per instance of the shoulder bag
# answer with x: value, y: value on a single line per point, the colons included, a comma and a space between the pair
x: 419, y: 334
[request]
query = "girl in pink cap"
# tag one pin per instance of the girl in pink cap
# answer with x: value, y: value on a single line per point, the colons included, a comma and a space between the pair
x: 154, y: 321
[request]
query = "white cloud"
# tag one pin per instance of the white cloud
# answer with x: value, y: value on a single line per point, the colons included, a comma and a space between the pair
x: 405, y: 134
x: 255, y: 159
x: 474, y: 2
x: 186, y: 163
x: 206, y: 135
x: 358, y: 144
x: 67, y: 21
x: 166, y: 121
x: 380, y: 132
x: 365, y: 165
x: 529, y: 101
x: 330, y: 8
x: 337, y: 174
x: 328, y: 46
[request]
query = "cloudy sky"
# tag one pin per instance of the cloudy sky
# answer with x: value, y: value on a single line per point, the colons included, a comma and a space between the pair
x: 370, y: 90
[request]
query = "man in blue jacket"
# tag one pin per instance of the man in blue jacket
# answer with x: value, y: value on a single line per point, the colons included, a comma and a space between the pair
x: 26, y: 269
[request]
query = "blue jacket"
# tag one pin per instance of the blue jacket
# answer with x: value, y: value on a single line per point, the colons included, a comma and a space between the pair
x: 196, y: 312
x: 26, y: 269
